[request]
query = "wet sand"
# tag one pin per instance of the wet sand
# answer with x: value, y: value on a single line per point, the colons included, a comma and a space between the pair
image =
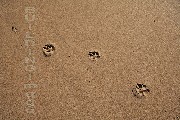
x: 138, y: 41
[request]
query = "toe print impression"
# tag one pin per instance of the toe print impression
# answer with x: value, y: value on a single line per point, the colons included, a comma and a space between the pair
x: 48, y: 50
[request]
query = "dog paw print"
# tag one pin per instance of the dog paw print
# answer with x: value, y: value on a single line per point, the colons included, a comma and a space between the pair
x: 94, y: 55
x: 48, y: 50
x: 14, y: 29
x: 140, y: 90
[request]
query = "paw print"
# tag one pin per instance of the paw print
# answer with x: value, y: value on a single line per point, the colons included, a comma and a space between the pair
x: 94, y: 55
x: 140, y: 90
x: 48, y: 50
x: 14, y: 29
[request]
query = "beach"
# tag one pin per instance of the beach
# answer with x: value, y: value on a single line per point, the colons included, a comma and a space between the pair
x: 100, y: 50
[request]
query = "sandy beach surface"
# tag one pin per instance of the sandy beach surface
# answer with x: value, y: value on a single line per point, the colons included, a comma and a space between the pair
x: 136, y: 41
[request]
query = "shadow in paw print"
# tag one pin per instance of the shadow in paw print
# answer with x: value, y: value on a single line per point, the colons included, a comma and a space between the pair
x: 177, y: 118
x: 48, y: 50
x: 140, y: 90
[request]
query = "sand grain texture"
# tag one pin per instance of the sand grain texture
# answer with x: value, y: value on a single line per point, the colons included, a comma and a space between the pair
x: 138, y: 40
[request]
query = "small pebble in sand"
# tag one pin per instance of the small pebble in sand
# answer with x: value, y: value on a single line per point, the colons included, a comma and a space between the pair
x: 48, y: 50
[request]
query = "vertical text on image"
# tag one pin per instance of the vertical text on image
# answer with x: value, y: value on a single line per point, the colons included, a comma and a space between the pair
x: 30, y: 62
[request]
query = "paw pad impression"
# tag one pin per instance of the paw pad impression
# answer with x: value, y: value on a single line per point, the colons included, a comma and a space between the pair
x: 94, y: 55
x: 48, y: 50
x: 140, y: 90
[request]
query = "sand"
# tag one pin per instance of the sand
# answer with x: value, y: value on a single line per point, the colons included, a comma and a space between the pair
x: 138, y: 42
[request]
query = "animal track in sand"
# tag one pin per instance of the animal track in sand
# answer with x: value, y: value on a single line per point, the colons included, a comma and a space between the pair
x: 14, y: 29
x: 94, y: 55
x: 48, y: 50
x: 140, y: 90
